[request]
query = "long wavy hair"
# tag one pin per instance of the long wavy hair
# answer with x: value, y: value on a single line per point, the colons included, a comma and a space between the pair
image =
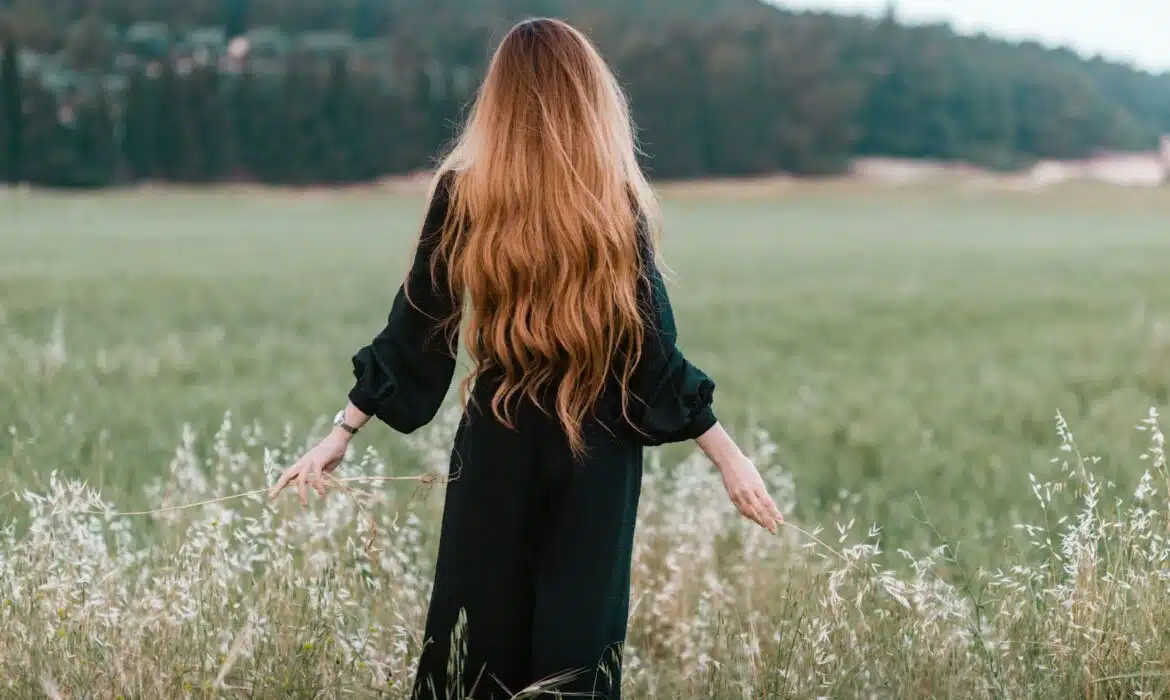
x: 541, y: 240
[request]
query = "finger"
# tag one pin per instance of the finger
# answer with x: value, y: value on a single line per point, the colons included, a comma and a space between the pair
x: 759, y: 514
x: 282, y: 482
x: 303, y: 492
x: 743, y: 501
x: 330, y: 475
x: 747, y: 508
x: 770, y: 505
x: 317, y: 482
x: 766, y: 511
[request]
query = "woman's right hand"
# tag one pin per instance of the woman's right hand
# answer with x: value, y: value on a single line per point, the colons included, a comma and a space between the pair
x: 746, y: 488
x: 310, y: 470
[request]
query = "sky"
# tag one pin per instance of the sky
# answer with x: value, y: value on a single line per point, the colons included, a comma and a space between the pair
x: 1135, y: 31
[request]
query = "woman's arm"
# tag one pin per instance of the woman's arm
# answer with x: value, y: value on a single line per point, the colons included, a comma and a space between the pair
x: 403, y: 375
x: 719, y: 447
x: 671, y: 400
x: 673, y: 403
x: 741, y: 478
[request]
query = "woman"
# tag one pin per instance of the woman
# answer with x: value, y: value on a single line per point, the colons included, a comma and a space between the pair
x: 540, y: 239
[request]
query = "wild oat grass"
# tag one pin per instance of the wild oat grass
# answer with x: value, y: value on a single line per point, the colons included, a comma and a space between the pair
x: 247, y: 599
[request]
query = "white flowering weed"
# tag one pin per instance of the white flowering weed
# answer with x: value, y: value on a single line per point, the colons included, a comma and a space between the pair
x: 241, y: 598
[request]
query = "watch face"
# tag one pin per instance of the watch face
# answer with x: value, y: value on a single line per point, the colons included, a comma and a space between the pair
x: 339, y: 418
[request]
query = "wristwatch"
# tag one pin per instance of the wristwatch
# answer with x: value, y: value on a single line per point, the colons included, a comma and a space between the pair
x: 339, y: 422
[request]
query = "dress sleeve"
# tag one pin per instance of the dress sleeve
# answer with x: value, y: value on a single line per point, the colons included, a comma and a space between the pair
x: 403, y: 375
x: 672, y: 399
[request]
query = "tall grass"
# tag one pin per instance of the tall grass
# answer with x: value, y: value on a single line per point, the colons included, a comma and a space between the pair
x: 903, y: 349
x: 241, y: 598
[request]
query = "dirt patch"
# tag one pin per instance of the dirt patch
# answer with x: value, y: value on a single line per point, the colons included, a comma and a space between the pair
x: 880, y: 175
x: 731, y: 188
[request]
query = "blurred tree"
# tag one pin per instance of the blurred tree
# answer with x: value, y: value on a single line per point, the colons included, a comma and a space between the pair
x: 30, y: 23
x: 345, y: 90
x: 90, y: 44
x: 96, y: 147
x: 140, y: 116
x: 49, y: 133
x: 235, y: 17
x: 170, y: 119
x: 11, y: 112
x: 365, y: 19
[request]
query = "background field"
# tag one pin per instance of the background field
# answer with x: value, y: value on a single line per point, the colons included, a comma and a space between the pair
x: 904, y: 351
x: 891, y: 342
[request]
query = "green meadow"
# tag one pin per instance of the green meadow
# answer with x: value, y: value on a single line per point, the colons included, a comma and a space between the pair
x: 903, y: 354
x: 897, y: 346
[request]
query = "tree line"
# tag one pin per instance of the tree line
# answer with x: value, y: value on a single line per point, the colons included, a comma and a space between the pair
x: 334, y: 91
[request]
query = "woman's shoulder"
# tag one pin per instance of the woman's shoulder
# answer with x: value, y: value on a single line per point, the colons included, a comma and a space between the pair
x: 443, y: 185
x: 448, y: 176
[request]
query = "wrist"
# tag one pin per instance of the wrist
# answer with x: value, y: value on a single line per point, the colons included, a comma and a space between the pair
x: 728, y: 459
x: 344, y: 424
x: 341, y: 435
x: 723, y: 452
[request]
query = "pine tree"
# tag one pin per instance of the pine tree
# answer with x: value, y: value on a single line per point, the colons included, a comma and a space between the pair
x: 97, y: 143
x: 235, y: 17
x: 138, y: 142
x: 11, y: 104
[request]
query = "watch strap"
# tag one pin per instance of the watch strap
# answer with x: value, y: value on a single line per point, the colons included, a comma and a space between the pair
x: 339, y: 422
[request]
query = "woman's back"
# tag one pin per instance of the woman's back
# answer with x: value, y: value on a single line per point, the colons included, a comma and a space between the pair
x: 542, y: 232
x: 650, y: 397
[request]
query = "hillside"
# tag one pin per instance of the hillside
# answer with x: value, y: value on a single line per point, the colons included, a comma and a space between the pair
x: 719, y: 87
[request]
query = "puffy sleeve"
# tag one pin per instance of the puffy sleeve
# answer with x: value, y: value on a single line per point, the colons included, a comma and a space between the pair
x: 403, y: 375
x: 672, y: 399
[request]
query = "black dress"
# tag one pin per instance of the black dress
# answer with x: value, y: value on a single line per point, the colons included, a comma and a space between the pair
x: 535, y: 550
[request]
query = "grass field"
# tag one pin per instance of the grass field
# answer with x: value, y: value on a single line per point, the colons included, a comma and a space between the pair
x: 896, y: 358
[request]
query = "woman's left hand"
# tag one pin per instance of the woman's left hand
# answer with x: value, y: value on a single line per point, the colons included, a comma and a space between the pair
x: 310, y: 470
